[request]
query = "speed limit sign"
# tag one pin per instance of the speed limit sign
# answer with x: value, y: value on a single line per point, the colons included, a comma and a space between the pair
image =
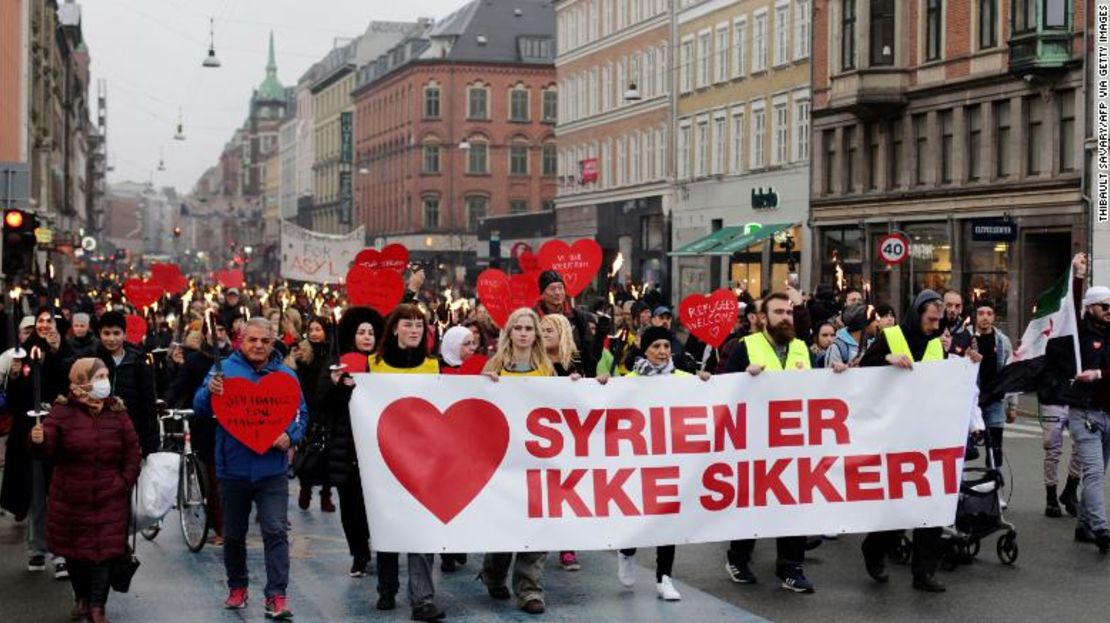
x: 894, y: 248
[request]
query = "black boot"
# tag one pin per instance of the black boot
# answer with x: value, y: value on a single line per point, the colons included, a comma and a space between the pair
x: 1068, y: 497
x: 1052, y: 505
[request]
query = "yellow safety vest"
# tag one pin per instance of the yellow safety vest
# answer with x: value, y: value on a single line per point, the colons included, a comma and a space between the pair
x: 896, y: 340
x: 761, y: 353
x: 430, y: 366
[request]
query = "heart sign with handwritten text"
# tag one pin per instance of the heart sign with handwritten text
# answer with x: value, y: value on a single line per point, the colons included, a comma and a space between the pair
x: 378, y: 288
x: 258, y: 413
x: 577, y: 263
x: 501, y: 294
x: 710, y: 318
x: 142, y: 293
x: 392, y: 256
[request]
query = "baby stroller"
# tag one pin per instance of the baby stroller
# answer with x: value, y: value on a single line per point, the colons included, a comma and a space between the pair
x: 979, y: 515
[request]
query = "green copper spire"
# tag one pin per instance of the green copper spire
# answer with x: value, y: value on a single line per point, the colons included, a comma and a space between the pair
x: 271, y: 88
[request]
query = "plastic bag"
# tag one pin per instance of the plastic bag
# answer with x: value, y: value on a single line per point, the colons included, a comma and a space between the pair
x: 157, y: 488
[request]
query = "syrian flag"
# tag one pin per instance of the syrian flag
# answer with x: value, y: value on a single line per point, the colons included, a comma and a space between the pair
x: 1053, y: 331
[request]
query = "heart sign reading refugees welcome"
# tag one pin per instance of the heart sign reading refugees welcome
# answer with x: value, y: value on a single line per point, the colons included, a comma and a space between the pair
x: 258, y: 413
x: 710, y: 318
x: 378, y: 288
x: 501, y: 294
x: 392, y: 256
x: 443, y: 458
x: 577, y: 263
x: 142, y: 293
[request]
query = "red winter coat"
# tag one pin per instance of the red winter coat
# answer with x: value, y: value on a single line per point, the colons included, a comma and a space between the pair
x: 96, y: 462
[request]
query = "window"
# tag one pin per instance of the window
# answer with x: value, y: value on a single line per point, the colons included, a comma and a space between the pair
x: 661, y: 151
x: 684, y: 151
x: 703, y: 59
x: 431, y: 213
x: 701, y: 156
x: 848, y: 35
x: 1024, y: 16
x: 920, y: 148
x: 897, y: 144
x: 739, y: 47
x: 662, y: 71
x: 518, y: 206
x: 933, y: 29
x: 801, y: 129
x: 988, y: 24
x: 1035, y: 139
x: 986, y: 270
x: 828, y: 149
x: 634, y: 158
x: 477, y: 102
x: 550, y: 104
x: 850, y: 154
x: 1002, y: 139
x: 759, y: 130
x: 518, y: 104
x: 873, y: 161
x: 647, y: 161
x: 431, y: 158
x: 606, y: 88
x: 782, y: 31
x: 431, y: 102
x: 476, y: 209
x: 1056, y: 13
x: 737, y: 141
x: 477, y: 158
x: 720, y: 135
x: 778, y: 135
x: 550, y: 159
x: 686, y: 68
x: 974, y: 122
x: 621, y: 175
x: 759, y: 42
x: 947, y: 146
x: 603, y: 173
x: 721, y: 68
x: 518, y: 159
x: 801, y: 30
x: 882, y: 33
x: 649, y: 87
x: 1066, y: 100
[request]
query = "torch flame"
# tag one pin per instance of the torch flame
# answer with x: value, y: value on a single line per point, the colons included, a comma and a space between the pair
x: 36, y: 353
x: 617, y: 263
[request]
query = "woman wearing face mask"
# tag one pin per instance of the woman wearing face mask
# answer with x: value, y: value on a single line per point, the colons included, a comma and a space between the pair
x: 402, y: 349
x: 96, y: 453
x: 656, y: 344
x: 311, y: 359
x: 520, y: 352
x: 358, y: 331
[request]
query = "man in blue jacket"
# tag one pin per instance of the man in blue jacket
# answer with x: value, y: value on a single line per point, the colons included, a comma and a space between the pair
x: 246, y: 476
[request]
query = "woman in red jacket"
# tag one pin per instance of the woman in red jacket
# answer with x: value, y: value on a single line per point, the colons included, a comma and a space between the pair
x: 96, y: 461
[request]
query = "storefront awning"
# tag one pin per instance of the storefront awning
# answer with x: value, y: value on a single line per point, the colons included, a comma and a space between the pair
x: 715, y: 239
x: 741, y: 243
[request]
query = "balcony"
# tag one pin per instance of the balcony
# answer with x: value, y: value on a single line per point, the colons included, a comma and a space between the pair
x: 869, y: 91
x: 1042, y: 36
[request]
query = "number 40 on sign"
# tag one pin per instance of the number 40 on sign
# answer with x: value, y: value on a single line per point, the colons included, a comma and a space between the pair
x: 894, y: 248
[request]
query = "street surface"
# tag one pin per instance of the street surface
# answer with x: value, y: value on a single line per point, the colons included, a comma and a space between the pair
x: 1054, y: 578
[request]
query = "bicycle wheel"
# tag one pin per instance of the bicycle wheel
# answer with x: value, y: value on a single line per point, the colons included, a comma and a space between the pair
x: 192, y: 506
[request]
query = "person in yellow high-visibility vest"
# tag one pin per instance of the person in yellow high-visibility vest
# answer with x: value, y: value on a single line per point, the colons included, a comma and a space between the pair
x: 775, y: 348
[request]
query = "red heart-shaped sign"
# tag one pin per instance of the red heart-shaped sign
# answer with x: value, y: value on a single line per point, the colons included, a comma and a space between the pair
x: 379, y: 288
x: 392, y: 257
x: 528, y: 261
x: 229, y: 278
x: 142, y: 293
x: 710, y: 318
x: 502, y: 294
x: 169, y: 277
x: 355, y: 362
x: 577, y: 263
x: 136, y: 329
x: 474, y: 364
x: 443, y: 459
x: 258, y: 413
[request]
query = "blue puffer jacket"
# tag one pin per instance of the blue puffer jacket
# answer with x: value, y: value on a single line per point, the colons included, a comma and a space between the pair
x: 234, y: 461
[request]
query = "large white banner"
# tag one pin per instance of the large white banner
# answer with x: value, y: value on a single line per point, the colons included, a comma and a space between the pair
x: 456, y: 463
x: 317, y: 258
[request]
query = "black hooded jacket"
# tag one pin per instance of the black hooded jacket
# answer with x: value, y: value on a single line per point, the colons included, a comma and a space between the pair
x: 911, y: 328
x: 133, y: 383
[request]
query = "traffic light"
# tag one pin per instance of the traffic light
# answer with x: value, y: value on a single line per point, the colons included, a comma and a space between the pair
x: 19, y: 242
x: 176, y: 232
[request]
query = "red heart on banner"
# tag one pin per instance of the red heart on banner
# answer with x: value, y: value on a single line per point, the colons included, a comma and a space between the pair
x: 229, y: 278
x: 392, y: 257
x: 379, y: 288
x: 502, y: 294
x: 142, y: 293
x: 169, y: 276
x: 528, y: 261
x: 258, y: 413
x: 474, y: 364
x: 136, y: 329
x: 710, y: 318
x: 443, y: 459
x: 577, y: 263
x: 355, y: 362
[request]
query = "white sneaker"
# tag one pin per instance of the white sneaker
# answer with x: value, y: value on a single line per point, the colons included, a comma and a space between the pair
x: 666, y: 590
x: 626, y: 569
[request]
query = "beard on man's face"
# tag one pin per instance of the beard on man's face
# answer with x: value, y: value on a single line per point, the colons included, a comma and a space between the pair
x: 782, y: 333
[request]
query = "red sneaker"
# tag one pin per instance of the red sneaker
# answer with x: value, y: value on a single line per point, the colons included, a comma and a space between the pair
x: 276, y: 608
x: 236, y: 599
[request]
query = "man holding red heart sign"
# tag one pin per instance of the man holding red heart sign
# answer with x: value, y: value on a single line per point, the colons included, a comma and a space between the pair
x: 255, y: 399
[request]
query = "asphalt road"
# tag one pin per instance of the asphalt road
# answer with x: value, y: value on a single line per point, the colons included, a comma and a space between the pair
x: 1054, y: 578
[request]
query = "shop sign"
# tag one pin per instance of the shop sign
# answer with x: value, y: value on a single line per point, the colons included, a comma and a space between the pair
x: 346, y: 133
x: 764, y: 199
x: 993, y: 230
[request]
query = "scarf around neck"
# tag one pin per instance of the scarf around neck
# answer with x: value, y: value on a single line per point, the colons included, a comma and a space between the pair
x: 644, y: 367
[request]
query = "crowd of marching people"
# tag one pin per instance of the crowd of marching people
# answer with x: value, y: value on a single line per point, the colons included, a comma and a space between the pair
x: 69, y: 469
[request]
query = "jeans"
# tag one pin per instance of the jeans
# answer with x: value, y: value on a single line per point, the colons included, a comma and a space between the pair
x: 790, y: 551
x: 352, y: 514
x: 36, y: 512
x: 90, y: 581
x: 1090, y: 431
x: 527, y: 573
x: 994, y: 446
x: 926, y: 548
x: 664, y: 560
x: 422, y: 589
x: 1054, y: 419
x: 271, y: 499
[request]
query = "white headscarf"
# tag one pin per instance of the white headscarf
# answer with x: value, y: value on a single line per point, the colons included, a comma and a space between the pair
x: 1096, y: 294
x: 452, y: 343
x: 6, y: 360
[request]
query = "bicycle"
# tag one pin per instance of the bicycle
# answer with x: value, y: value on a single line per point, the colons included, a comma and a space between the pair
x: 192, y: 482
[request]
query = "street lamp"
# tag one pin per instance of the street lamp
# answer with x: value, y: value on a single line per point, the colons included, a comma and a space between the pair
x: 211, y: 61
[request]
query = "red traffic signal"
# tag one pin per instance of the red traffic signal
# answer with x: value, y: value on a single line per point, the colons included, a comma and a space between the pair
x: 14, y: 219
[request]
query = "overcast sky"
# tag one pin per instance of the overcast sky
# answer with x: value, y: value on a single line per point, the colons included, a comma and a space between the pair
x: 150, y: 52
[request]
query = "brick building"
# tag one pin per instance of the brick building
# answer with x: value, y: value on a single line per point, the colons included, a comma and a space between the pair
x: 454, y: 125
x: 959, y: 123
